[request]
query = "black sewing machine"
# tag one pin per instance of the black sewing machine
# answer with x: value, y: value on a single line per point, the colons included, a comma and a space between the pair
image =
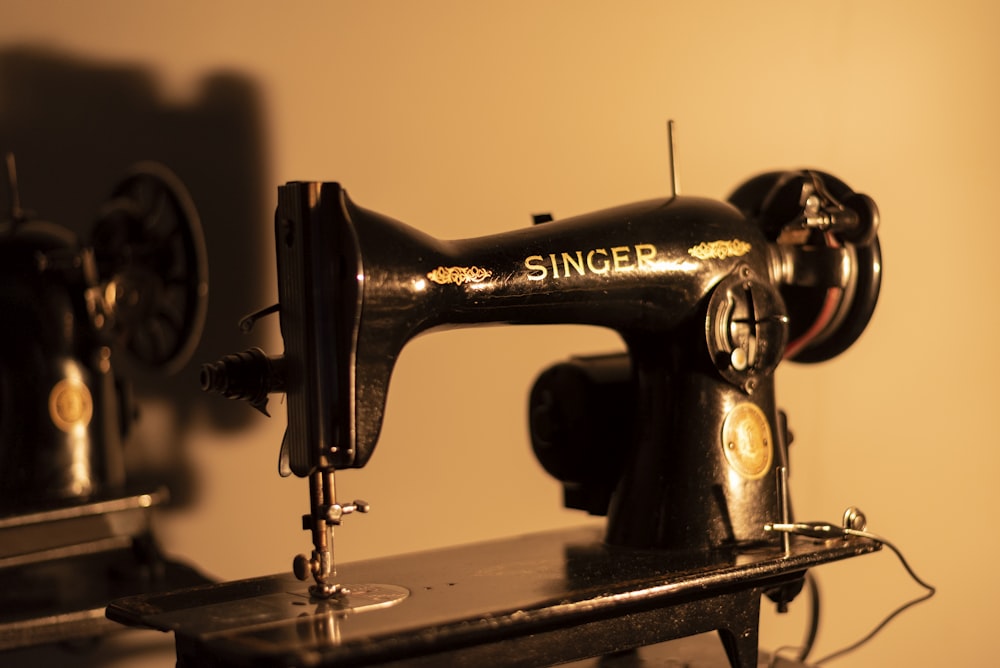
x: 678, y: 441
x: 74, y: 532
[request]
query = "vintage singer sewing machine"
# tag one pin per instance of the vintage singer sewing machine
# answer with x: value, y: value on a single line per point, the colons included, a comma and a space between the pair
x: 708, y: 296
x: 75, y: 532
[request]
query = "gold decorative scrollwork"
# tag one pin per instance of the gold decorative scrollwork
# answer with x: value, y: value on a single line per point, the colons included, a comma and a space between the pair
x: 459, y: 275
x: 720, y: 250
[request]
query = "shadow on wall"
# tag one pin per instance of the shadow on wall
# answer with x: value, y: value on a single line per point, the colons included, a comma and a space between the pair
x: 75, y: 127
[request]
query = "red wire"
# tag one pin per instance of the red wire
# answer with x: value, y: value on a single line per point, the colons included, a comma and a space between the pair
x: 826, y: 314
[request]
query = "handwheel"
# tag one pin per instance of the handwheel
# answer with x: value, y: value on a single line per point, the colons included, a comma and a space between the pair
x: 150, y: 255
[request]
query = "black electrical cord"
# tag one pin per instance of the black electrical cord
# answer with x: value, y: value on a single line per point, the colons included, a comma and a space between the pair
x: 814, y: 610
x: 898, y: 611
x: 828, y: 530
x: 811, y: 632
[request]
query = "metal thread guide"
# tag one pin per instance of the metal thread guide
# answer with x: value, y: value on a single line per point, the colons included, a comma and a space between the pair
x: 675, y: 186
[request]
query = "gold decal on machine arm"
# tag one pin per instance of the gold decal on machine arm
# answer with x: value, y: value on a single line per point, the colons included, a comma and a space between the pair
x: 720, y: 250
x: 459, y: 275
x: 621, y: 259
x: 597, y: 265
x: 575, y: 261
x: 537, y: 271
x: 638, y: 257
x: 645, y: 255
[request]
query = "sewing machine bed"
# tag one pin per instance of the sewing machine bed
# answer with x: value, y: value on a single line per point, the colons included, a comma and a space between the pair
x: 60, y: 566
x: 538, y: 599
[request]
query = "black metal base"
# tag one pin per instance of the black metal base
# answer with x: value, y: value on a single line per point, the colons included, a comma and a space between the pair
x: 533, y: 600
x: 59, y: 568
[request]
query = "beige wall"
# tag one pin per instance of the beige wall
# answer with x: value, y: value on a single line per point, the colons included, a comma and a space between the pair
x: 464, y: 118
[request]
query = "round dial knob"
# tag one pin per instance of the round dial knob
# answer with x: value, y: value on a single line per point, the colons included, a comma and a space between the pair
x: 746, y: 328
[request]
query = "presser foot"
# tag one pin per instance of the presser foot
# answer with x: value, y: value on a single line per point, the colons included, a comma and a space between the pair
x: 325, y: 514
x: 322, y: 588
x: 328, y: 590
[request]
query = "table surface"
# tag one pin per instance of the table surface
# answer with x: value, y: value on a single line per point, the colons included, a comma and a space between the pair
x: 474, y: 595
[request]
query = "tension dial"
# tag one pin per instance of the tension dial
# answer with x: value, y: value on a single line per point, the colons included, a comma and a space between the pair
x: 746, y: 328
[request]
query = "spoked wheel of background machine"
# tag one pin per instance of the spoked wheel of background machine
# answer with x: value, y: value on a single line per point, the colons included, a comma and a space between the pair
x: 150, y: 254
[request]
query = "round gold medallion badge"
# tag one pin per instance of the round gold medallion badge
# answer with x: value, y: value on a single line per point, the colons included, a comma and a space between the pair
x: 746, y: 440
x: 70, y: 404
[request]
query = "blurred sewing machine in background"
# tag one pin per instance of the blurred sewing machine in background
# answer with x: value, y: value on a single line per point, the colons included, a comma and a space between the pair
x: 73, y: 533
x: 678, y: 440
